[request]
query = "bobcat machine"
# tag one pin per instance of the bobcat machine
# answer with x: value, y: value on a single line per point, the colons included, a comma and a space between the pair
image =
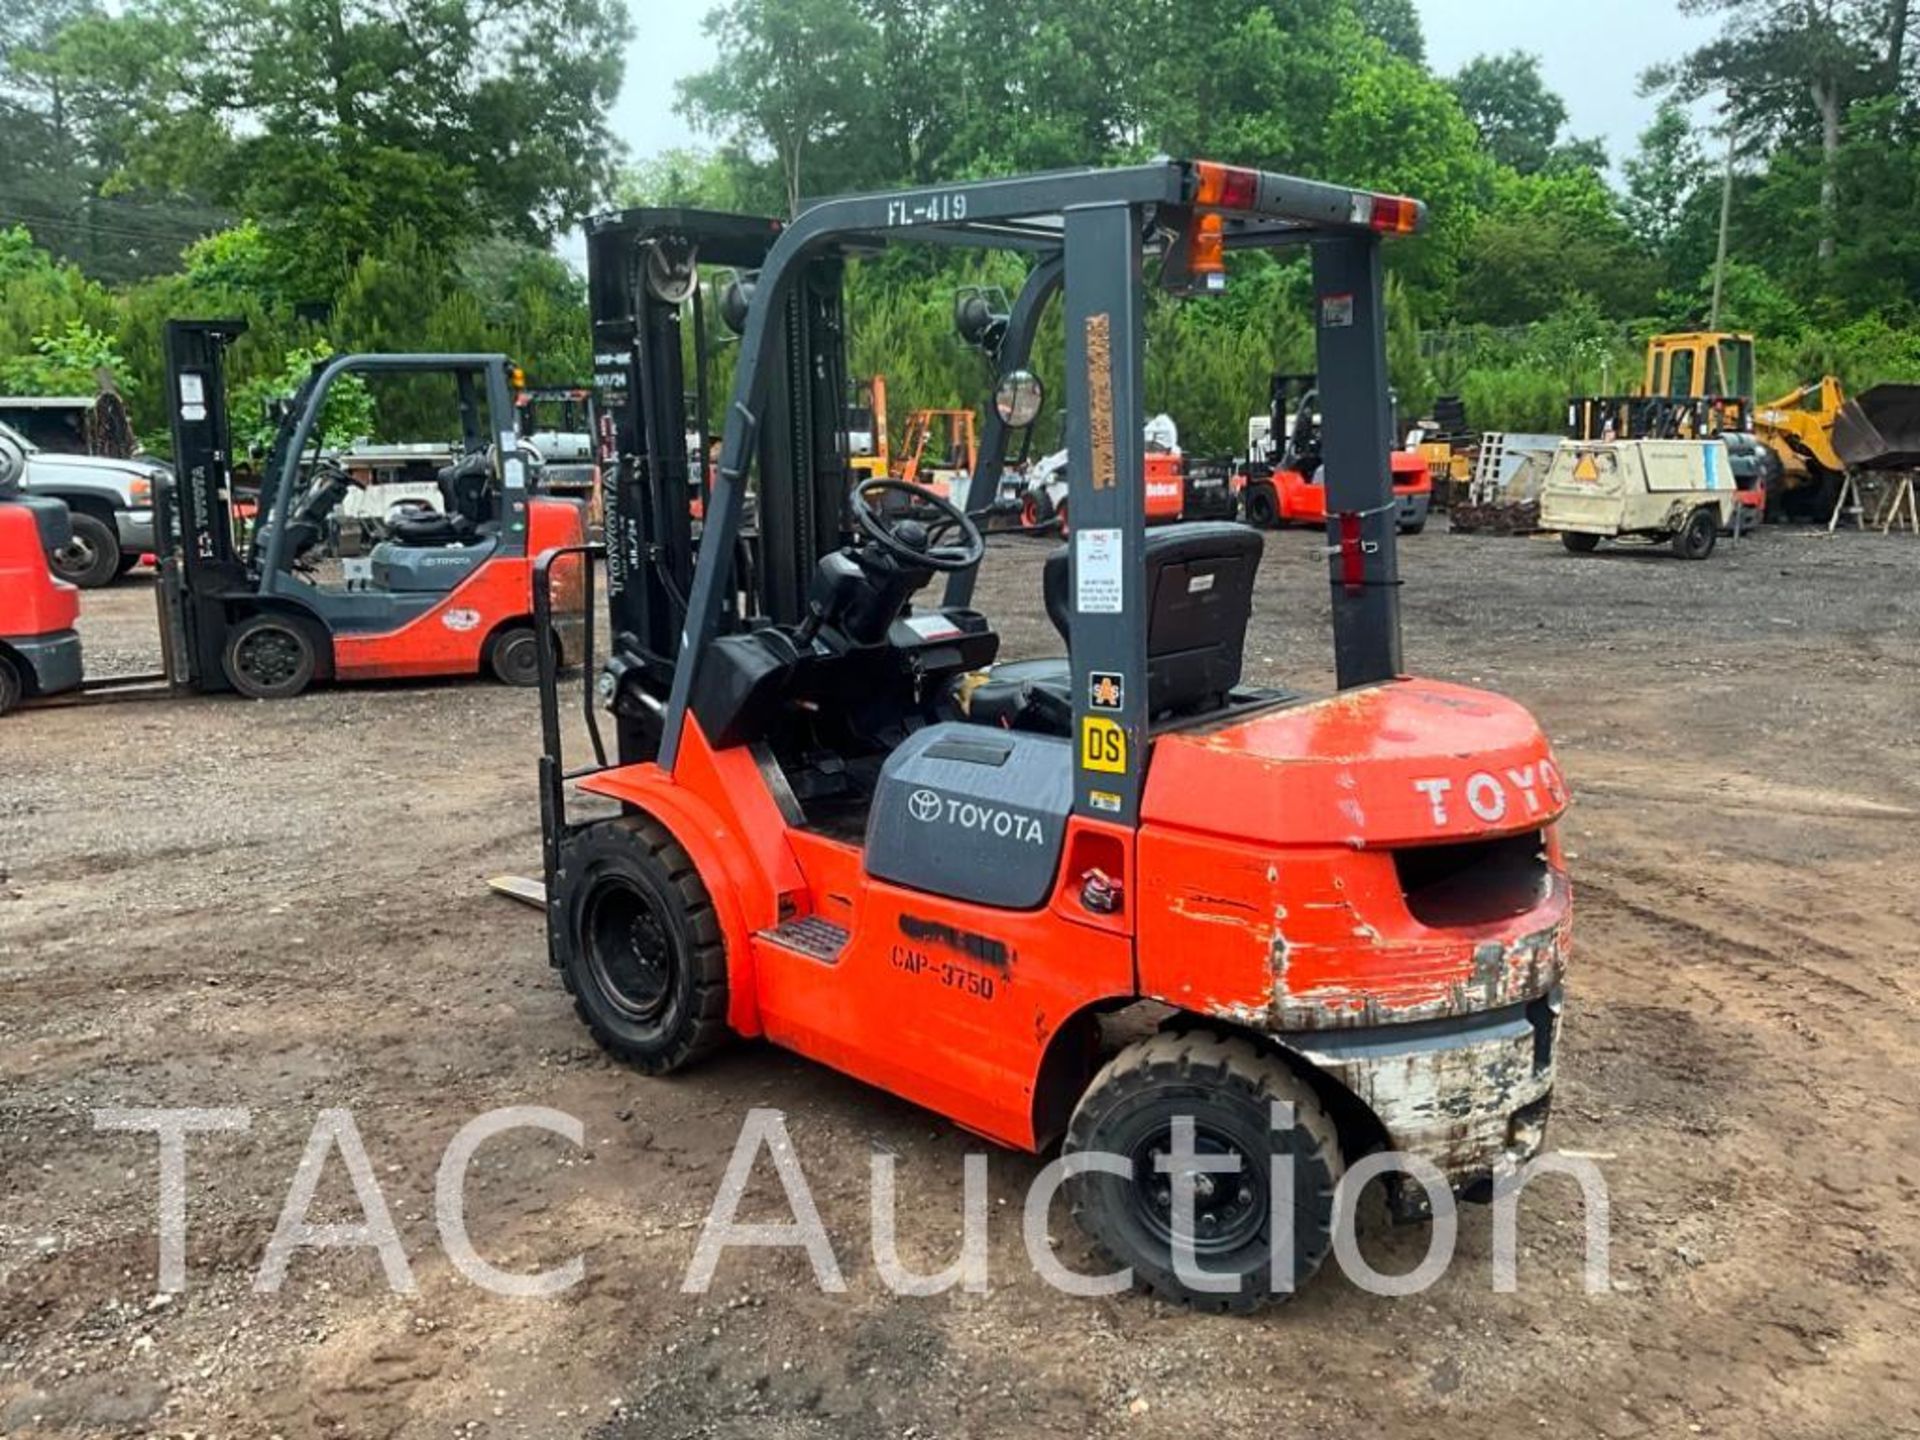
x: 846, y: 825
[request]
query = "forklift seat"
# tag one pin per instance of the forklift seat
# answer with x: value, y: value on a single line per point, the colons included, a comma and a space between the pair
x: 1199, y: 597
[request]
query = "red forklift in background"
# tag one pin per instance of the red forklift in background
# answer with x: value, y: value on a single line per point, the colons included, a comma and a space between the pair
x: 39, y: 648
x: 847, y: 825
x: 447, y: 592
x: 1281, y: 481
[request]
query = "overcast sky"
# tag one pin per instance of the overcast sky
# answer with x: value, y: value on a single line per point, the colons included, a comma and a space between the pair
x: 1592, y: 56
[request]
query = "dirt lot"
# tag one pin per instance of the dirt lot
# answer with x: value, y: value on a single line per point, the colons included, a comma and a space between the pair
x: 281, y: 908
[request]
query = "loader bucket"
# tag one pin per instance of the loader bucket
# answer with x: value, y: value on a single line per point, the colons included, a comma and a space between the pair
x: 1880, y: 429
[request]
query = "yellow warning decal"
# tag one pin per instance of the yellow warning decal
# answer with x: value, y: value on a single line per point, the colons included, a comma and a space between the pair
x: 1585, y: 468
x: 1103, y: 745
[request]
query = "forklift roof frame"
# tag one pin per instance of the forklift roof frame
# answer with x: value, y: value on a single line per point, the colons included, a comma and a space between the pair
x: 1090, y: 228
x: 509, y: 469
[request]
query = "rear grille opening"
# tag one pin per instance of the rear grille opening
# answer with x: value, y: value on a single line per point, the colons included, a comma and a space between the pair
x: 1474, y: 883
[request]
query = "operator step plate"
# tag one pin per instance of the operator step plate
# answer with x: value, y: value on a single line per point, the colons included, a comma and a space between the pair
x: 810, y: 935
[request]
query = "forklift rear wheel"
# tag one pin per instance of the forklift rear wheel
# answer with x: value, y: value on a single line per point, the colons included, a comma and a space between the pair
x: 645, y: 960
x: 269, y: 658
x: 91, y: 558
x: 515, y: 656
x: 1579, y: 544
x: 1697, y: 537
x: 1229, y: 1089
x: 11, y: 687
x: 1263, y: 507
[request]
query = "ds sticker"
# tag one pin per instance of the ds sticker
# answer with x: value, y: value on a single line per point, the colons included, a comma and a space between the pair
x: 1103, y: 745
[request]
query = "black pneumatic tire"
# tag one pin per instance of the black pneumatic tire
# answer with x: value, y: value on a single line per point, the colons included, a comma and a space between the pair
x: 1263, y: 507
x: 1696, y: 538
x: 1229, y: 1088
x: 1579, y: 544
x: 269, y: 657
x: 645, y: 961
x: 12, y: 687
x: 91, y: 559
x: 514, y: 656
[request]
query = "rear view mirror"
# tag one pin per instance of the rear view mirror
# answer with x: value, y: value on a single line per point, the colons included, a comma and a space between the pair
x: 1018, y: 398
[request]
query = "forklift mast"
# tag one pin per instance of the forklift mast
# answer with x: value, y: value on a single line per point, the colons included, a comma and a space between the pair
x: 644, y: 293
x: 193, y: 512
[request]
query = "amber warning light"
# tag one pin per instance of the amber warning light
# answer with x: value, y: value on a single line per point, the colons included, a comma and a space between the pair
x: 1389, y: 214
x: 1226, y: 187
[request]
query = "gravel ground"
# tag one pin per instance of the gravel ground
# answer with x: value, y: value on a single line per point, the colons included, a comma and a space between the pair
x: 282, y: 908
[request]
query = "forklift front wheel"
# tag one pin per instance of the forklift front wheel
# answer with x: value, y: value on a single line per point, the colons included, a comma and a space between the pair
x: 645, y: 961
x: 269, y: 657
x: 1229, y: 1091
x: 514, y: 657
x: 1578, y: 543
x: 11, y: 686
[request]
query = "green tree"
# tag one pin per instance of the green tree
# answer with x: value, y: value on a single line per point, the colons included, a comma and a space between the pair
x: 1396, y: 23
x: 1661, y: 176
x: 1518, y: 117
x: 1787, y: 73
x: 1548, y: 241
x: 1398, y: 129
x: 329, y: 120
x: 347, y: 416
x: 794, y: 76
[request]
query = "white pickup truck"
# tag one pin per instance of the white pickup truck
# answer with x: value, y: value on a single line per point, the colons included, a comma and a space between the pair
x: 112, y: 506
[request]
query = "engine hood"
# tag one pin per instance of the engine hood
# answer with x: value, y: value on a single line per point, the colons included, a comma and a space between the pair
x: 1408, y: 762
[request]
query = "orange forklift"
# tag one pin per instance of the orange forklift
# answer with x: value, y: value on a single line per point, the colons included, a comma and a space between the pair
x: 847, y: 826
x: 447, y: 591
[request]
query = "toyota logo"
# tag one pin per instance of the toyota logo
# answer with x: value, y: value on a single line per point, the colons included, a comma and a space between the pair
x: 924, y: 805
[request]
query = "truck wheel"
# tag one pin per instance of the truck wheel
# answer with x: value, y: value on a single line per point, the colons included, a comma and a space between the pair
x: 1263, y: 507
x: 268, y: 657
x: 11, y: 686
x: 1696, y: 538
x: 91, y: 558
x: 514, y: 656
x: 645, y: 961
x: 1229, y: 1089
x: 1579, y: 544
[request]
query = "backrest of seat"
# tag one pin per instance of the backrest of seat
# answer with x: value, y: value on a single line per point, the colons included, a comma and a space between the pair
x: 466, y: 488
x: 1199, y: 598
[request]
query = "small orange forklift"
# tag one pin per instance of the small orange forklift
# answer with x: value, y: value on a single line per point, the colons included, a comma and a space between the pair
x: 847, y: 826
x: 447, y: 592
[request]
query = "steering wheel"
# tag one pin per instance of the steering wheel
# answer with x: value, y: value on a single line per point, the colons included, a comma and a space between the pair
x: 911, y: 537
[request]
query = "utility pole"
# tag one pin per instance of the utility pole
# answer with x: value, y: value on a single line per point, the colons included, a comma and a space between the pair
x: 1726, y: 214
